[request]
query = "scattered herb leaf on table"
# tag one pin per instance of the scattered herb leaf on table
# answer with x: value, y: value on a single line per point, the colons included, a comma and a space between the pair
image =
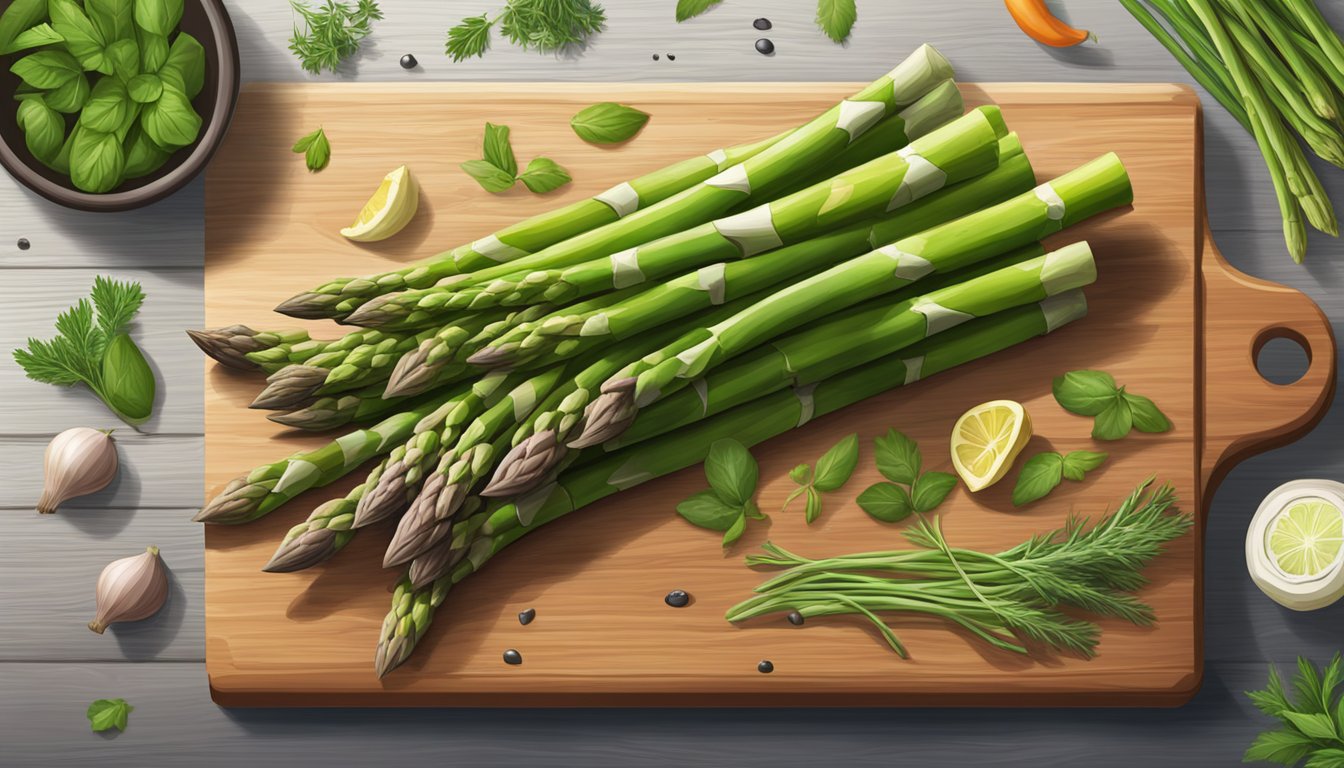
x: 548, y: 26
x: 106, y: 714
x: 833, y: 470
x: 608, y: 123
x: 1043, y: 472
x: 1094, y: 393
x: 1308, y: 717
x: 687, y: 9
x: 728, y: 504
x: 332, y: 32
x: 908, y: 489
x: 315, y: 148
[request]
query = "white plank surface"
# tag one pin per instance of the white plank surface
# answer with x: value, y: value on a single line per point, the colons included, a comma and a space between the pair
x: 51, y: 666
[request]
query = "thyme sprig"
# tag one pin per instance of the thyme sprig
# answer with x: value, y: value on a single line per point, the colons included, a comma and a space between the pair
x: 331, y: 32
x: 547, y: 26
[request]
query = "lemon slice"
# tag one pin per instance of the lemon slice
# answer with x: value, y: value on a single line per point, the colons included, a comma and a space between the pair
x: 390, y: 209
x: 986, y: 440
x: 1305, y: 539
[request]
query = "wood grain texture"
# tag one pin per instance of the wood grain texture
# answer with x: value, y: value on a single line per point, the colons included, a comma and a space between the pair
x: 610, y: 639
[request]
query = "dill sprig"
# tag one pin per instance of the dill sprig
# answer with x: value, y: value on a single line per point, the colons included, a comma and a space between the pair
x: 1004, y: 599
x: 547, y: 26
x: 331, y: 32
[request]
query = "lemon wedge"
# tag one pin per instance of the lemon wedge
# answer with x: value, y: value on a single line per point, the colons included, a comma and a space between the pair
x: 986, y: 440
x: 390, y: 209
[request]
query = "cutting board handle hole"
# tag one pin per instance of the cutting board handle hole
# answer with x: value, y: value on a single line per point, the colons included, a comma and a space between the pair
x: 1282, y: 356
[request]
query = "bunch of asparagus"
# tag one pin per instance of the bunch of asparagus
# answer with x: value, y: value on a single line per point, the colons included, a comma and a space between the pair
x: 511, y: 381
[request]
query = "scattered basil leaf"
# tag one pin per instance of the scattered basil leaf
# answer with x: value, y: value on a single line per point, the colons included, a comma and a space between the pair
x: 128, y: 381
x: 71, y: 97
x: 144, y: 89
x: 1114, y: 421
x: 801, y: 474
x: 124, y: 58
x: 930, y: 489
x: 731, y: 471
x: 1078, y: 463
x: 544, y: 175
x: 106, y: 108
x: 491, y: 177
x: 706, y: 510
x: 315, y: 148
x: 96, y: 161
x: 105, y: 714
x: 159, y: 17
x: 43, y: 129
x: 19, y: 16
x: 835, y: 467
x: 34, y: 37
x: 608, y: 123
x: 1040, y: 475
x: 186, y: 57
x: 836, y: 18
x: 897, y: 457
x: 813, y: 509
x: 687, y: 9
x: 1146, y: 416
x: 114, y: 19
x: 497, y: 149
x: 736, y: 530
x: 1086, y: 393
x: 887, y: 502
x: 143, y: 156
x: 82, y: 39
x: 47, y: 69
x: 153, y: 50
x: 170, y: 120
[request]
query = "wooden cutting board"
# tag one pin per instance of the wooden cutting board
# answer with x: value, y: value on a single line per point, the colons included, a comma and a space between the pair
x: 1169, y: 318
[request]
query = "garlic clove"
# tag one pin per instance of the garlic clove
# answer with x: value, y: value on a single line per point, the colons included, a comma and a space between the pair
x: 131, y: 589
x: 78, y: 462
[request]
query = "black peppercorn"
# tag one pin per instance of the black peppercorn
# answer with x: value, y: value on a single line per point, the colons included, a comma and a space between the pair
x: 765, y: 47
x: 762, y: 24
x: 795, y: 618
x: 526, y: 617
x: 677, y: 598
x: 408, y: 62
x: 513, y: 657
x: 24, y: 244
x: 765, y: 667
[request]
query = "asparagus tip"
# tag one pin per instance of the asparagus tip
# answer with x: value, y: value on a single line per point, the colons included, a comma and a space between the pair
x: 606, y: 417
x: 307, y: 306
x: 303, y: 551
x: 228, y: 346
x: 525, y: 465
x: 493, y: 356
x: 384, y: 499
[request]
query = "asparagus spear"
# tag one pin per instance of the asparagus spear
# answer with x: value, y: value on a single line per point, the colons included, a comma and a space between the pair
x: 1091, y: 189
x: 239, y: 347
x: 960, y: 150
x: 485, y: 533
x: 820, y: 139
x: 1314, y: 24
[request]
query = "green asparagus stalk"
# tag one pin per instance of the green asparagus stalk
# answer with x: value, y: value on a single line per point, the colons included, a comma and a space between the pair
x: 1094, y: 188
x: 1315, y: 25
x: 483, y: 534
x: 239, y: 347
x: 820, y: 139
x: 326, y: 531
x: 960, y: 150
x: 334, y: 411
x: 1309, y: 82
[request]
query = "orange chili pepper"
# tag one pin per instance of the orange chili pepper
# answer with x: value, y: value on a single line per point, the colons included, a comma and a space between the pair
x: 1036, y: 20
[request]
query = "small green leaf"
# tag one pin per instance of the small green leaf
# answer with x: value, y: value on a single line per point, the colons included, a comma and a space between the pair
x: 1079, y: 463
x: 835, y: 467
x: 82, y: 38
x: 930, y: 489
x: 34, y: 37
x: 731, y: 471
x: 801, y: 474
x: 316, y: 150
x: 1147, y: 417
x: 1313, y: 725
x: 470, y: 38
x: 18, y: 16
x: 47, y: 69
x: 71, y: 97
x: 153, y: 51
x: 491, y: 177
x: 144, y: 89
x: 160, y: 17
x: 105, y: 714
x: 799, y: 491
x: 608, y: 123
x: 1114, y: 422
x: 304, y: 142
x: 735, y: 531
x: 754, y: 512
x: 1086, y: 393
x: 1040, y: 475
x: 897, y: 457
x: 106, y: 109
x: 544, y: 175
x: 497, y: 149
x: 114, y: 19
x: 187, y: 58
x: 813, y: 510
x: 43, y: 129
x: 1284, y: 747
x: 687, y: 9
x: 128, y: 381
x: 124, y: 58
x: 96, y: 161
x: 887, y: 502
x: 1330, y: 757
x: 143, y: 156
x: 706, y: 510
x: 172, y: 122
x: 836, y: 18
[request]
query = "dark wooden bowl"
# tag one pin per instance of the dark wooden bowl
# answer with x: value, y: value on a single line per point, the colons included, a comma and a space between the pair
x: 208, y: 22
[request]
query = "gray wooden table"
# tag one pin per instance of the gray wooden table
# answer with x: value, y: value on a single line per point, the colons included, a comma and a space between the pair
x: 51, y: 667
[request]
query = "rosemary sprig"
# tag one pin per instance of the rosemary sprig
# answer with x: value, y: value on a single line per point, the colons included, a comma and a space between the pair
x: 545, y: 25
x: 331, y: 32
x: 1005, y: 599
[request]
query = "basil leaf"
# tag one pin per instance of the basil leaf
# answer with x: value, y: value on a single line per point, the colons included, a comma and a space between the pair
x: 19, y: 16
x: 687, y: 9
x: 171, y: 121
x: 114, y: 19
x: 887, y: 502
x: 105, y: 714
x: 497, y: 149
x: 491, y: 177
x: 187, y: 57
x: 801, y: 474
x: 159, y: 17
x: 735, y: 530
x: 835, y: 467
x: 96, y: 161
x: 930, y: 490
x: 836, y: 18
x: 35, y: 37
x: 71, y: 97
x: 1312, y: 725
x: 61, y: 163
x: 145, y: 89
x: 124, y: 58
x: 47, y: 69
x: 82, y: 39
x: 128, y: 381
x: 608, y: 123
x: 543, y: 175
x: 813, y: 509
x: 897, y: 457
x: 1086, y: 393
x: 1039, y: 476
x: 706, y: 510
x: 143, y: 156
x: 107, y: 107
x: 153, y: 51
x: 1078, y: 463
x: 132, y: 119
x: 318, y: 153
x: 304, y: 142
x: 731, y: 471
x: 1146, y: 415
x: 1114, y: 422
x: 43, y: 129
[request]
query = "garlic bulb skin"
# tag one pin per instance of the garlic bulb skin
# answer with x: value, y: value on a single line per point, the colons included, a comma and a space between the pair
x: 78, y: 462
x: 131, y: 589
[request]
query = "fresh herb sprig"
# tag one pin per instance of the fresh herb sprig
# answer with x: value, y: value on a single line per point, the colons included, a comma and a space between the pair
x: 548, y: 26
x: 834, y: 469
x: 331, y: 32
x: 1094, y: 393
x: 1043, y: 472
x: 729, y: 503
x: 497, y: 170
x: 106, y: 714
x: 1312, y: 720
x: 315, y: 148
x: 909, y: 489
x: 608, y: 123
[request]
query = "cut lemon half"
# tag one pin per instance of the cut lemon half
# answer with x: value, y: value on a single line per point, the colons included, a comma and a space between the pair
x: 390, y: 209
x: 986, y: 440
x: 1306, y: 537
